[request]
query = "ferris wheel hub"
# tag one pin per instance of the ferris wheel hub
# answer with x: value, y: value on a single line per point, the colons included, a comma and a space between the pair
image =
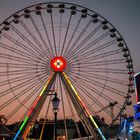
x: 58, y: 64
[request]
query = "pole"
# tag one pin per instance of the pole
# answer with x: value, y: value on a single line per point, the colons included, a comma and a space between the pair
x: 55, y: 126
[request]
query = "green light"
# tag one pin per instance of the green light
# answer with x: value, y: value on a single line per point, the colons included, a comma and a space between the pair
x: 25, y: 120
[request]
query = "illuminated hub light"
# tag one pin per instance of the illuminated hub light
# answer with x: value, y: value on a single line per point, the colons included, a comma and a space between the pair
x: 58, y: 64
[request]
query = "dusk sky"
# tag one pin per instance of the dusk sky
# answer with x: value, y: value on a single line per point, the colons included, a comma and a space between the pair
x: 123, y: 14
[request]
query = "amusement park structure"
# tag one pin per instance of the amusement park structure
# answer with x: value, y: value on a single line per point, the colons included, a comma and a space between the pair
x: 68, y: 49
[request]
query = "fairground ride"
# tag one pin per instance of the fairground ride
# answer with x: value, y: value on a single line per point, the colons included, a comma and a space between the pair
x: 72, y: 50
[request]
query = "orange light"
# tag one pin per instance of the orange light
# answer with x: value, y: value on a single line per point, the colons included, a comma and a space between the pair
x: 58, y: 64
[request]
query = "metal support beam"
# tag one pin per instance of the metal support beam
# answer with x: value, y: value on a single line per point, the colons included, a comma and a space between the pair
x: 78, y: 105
x: 35, y: 109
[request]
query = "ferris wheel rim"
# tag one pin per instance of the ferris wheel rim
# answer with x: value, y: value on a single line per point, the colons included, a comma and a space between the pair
x: 126, y: 47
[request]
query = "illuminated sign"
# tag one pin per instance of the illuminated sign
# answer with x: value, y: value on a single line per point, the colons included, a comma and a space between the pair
x: 137, y: 86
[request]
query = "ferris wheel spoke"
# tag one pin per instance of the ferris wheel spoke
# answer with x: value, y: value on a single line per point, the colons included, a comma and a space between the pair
x: 77, y: 48
x: 84, y: 89
x: 103, y: 86
x: 72, y: 36
x: 23, y: 46
x: 106, y: 87
x: 87, y: 52
x: 20, y: 94
x: 102, y: 70
x: 82, y: 47
x: 97, y: 49
x: 23, y: 37
x: 38, y: 45
x: 18, y: 51
x: 103, y: 78
x: 47, y: 51
x: 46, y: 33
x: 102, y: 64
x: 100, y: 47
x: 53, y: 33
x: 105, y: 97
x: 20, y: 71
x: 26, y: 68
x: 38, y: 49
x: 95, y: 114
x: 23, y: 72
x: 23, y: 65
x: 16, y: 87
x: 60, y: 33
x: 18, y: 58
x: 15, y: 110
x: 99, y: 93
x: 101, y: 55
x: 90, y: 49
x: 79, y: 37
x: 16, y: 79
x: 92, y: 63
x: 65, y: 38
x: 22, y: 77
x: 89, y: 95
x: 107, y: 54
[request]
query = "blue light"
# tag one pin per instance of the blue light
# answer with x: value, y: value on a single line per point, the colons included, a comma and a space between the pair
x: 17, y: 135
x: 137, y: 111
x: 101, y: 134
x: 131, y: 128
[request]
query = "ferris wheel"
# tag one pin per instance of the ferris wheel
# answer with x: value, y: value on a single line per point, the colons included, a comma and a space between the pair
x: 68, y: 49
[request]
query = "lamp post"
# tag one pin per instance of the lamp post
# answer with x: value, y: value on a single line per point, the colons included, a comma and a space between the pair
x: 55, y: 103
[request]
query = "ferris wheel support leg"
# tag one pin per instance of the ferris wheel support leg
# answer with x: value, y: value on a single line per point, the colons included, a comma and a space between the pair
x: 86, y: 111
x: 34, y: 110
x: 79, y: 110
